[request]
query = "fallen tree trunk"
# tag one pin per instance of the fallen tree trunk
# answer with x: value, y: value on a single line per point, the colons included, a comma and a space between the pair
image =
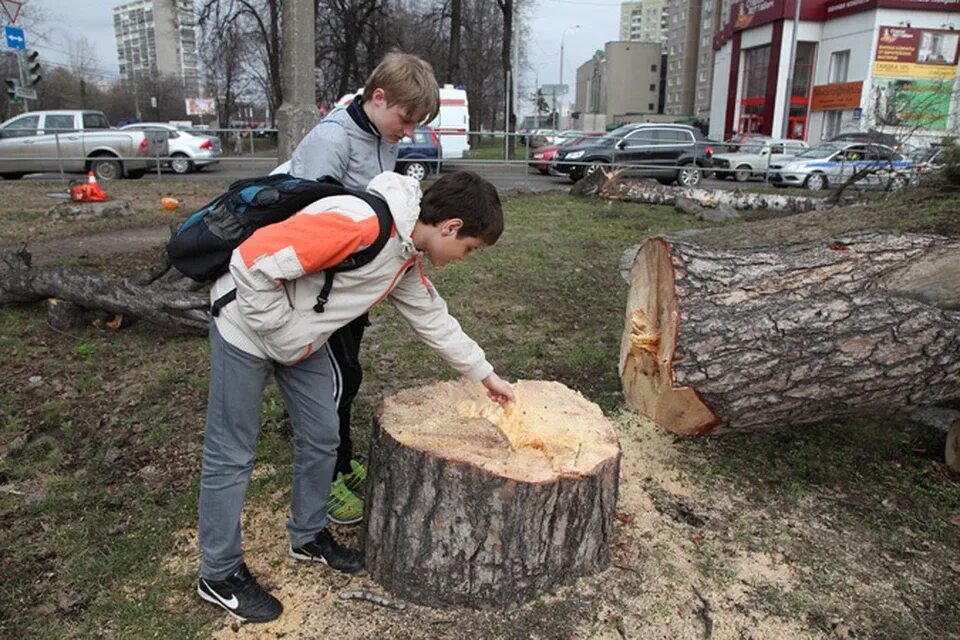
x: 616, y: 184
x: 468, y: 504
x: 729, y: 339
x: 171, y: 308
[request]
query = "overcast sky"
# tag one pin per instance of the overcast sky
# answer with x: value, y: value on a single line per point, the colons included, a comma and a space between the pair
x: 599, y: 20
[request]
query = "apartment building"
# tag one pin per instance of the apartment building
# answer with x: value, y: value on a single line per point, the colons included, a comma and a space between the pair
x: 618, y: 84
x: 644, y: 21
x: 157, y: 37
x: 683, y: 49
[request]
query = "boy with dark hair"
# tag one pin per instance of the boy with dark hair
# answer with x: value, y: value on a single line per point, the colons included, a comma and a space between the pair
x: 353, y: 145
x: 272, y: 327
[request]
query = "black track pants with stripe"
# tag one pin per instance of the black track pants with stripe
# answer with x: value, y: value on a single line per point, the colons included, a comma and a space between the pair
x: 345, y: 355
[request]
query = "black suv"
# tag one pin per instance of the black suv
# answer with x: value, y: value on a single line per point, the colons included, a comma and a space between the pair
x: 668, y: 152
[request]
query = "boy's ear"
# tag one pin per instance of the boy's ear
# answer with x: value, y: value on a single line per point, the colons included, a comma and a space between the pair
x: 451, y: 226
x: 379, y: 95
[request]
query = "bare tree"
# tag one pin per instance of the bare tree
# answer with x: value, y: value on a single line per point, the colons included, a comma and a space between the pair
x: 259, y: 21
x: 350, y: 42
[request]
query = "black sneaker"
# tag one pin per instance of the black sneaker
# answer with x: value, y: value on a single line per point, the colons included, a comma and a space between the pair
x: 241, y: 596
x: 331, y: 553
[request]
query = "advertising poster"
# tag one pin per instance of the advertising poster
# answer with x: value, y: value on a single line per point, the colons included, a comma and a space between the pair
x: 200, y: 106
x: 903, y: 52
x: 920, y: 103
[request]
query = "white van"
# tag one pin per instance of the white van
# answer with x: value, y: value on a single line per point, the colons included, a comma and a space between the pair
x: 452, y: 123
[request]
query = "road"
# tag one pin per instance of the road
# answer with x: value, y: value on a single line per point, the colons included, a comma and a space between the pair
x: 506, y: 177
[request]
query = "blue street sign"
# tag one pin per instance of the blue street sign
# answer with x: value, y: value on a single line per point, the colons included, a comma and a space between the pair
x: 14, y: 36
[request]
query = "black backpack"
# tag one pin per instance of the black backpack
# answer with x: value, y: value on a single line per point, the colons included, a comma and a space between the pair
x: 202, y: 245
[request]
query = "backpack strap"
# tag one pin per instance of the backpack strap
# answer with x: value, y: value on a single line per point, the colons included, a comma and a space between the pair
x: 353, y: 261
x: 362, y: 257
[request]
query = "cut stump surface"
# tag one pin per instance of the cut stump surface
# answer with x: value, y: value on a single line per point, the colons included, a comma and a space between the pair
x: 470, y: 504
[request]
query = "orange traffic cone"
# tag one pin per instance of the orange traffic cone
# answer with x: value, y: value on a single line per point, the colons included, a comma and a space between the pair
x: 94, y: 192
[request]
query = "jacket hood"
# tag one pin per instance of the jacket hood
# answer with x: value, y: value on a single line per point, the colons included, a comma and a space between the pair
x: 403, y: 196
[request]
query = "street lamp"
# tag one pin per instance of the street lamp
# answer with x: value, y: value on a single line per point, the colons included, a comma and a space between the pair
x: 562, y: 36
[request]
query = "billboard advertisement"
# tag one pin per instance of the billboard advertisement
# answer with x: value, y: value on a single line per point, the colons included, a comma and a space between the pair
x: 200, y: 106
x: 903, y: 52
x: 917, y: 103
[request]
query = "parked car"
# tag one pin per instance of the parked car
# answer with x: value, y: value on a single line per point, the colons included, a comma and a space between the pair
x: 542, y: 137
x: 754, y: 157
x: 541, y: 157
x: 76, y: 142
x: 867, y: 137
x: 668, y: 152
x: 420, y: 155
x: 188, y: 152
x: 833, y: 163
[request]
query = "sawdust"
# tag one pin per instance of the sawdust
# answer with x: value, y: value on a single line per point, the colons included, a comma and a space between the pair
x: 649, y: 593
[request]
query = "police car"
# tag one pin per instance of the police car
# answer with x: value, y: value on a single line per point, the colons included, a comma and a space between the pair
x: 834, y: 163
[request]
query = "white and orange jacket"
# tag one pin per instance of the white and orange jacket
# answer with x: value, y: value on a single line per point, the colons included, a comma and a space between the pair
x: 278, y: 272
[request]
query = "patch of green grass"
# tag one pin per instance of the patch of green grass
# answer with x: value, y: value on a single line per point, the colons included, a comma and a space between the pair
x: 85, y: 350
x: 492, y: 148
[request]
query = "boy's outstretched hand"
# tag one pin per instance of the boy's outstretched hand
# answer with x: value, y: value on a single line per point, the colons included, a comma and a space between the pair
x: 498, y: 389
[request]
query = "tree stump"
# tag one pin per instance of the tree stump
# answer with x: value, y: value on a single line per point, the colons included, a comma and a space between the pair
x: 474, y: 505
x: 727, y: 339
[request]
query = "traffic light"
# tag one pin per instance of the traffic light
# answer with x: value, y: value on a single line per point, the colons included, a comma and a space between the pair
x: 33, y: 67
x: 12, y: 84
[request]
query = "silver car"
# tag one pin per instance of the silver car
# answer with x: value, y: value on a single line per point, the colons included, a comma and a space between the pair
x: 834, y: 163
x: 189, y: 152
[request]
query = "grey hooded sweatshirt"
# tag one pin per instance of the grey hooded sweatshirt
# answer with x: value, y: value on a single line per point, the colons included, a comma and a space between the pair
x: 346, y: 146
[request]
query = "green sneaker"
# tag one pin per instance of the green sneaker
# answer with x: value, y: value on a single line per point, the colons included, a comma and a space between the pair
x: 355, y: 479
x: 343, y: 507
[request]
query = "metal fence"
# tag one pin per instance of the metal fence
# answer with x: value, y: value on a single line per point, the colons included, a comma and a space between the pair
x: 246, y: 152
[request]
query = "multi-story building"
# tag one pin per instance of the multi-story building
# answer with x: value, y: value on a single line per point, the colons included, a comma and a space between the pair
x: 157, y: 38
x: 618, y: 84
x: 711, y: 21
x: 890, y: 65
x: 683, y: 49
x: 644, y: 21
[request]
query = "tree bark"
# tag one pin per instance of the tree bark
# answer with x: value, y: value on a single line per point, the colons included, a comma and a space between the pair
x: 731, y: 339
x: 612, y: 185
x: 472, y: 505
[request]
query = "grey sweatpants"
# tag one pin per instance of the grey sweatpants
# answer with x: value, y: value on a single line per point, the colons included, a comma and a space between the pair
x: 237, y: 381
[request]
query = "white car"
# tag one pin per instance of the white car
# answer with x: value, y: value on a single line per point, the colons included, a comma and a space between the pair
x: 833, y: 163
x: 189, y: 152
x: 755, y: 157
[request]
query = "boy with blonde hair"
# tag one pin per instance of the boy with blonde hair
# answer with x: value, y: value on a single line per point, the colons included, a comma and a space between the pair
x: 352, y: 146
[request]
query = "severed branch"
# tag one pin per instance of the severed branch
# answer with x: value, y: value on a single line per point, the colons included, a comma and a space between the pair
x: 375, y: 598
x: 705, y: 614
x: 180, y: 310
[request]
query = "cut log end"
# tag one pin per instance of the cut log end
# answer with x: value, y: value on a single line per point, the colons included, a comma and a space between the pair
x: 550, y: 432
x: 648, y: 345
x: 474, y: 505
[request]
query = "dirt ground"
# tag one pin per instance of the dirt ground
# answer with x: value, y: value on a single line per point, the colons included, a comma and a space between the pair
x: 690, y: 561
x: 657, y: 587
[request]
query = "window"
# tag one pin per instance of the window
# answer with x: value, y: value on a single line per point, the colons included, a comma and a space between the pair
x: 640, y: 138
x: 58, y: 123
x: 650, y: 106
x: 653, y: 67
x: 22, y: 127
x: 839, y: 65
x: 831, y: 124
x: 653, y: 87
x: 95, y: 121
